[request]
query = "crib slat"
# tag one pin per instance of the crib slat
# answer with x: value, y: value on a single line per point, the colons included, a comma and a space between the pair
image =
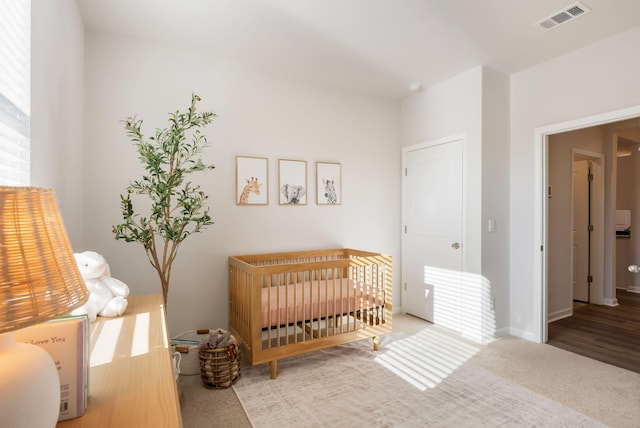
x: 286, y: 312
x: 318, y: 304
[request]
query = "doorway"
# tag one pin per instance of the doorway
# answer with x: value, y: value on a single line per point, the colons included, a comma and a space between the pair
x: 588, y: 225
x: 541, y: 213
x: 575, y: 251
x: 581, y: 230
x: 432, y: 243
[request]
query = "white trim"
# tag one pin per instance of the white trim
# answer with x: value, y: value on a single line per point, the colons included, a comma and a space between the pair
x: 502, y: 332
x: 540, y: 140
x: 612, y: 302
x: 526, y: 335
x: 435, y: 142
x: 565, y: 313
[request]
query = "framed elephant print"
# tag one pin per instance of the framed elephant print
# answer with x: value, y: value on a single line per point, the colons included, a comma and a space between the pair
x: 292, y: 182
x: 328, y: 183
x: 251, y: 181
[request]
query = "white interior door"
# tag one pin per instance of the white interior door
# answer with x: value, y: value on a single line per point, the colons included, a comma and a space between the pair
x: 581, y: 209
x: 432, y: 239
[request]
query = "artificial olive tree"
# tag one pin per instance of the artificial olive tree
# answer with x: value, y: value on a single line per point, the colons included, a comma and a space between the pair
x: 177, y: 207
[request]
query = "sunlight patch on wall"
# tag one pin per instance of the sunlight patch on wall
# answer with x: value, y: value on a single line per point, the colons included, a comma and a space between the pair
x: 463, y: 302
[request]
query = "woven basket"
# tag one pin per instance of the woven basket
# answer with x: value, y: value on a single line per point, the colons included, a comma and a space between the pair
x: 220, y: 367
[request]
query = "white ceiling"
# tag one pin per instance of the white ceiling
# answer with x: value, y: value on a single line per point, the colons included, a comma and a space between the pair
x: 371, y: 46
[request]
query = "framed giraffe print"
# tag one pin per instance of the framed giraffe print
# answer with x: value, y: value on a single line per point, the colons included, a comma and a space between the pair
x: 292, y: 182
x: 328, y: 183
x: 252, y: 187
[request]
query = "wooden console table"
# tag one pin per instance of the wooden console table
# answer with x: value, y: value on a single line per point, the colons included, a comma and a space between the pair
x: 131, y: 379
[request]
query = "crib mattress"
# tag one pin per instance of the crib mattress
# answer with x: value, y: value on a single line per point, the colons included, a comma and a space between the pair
x: 304, y: 301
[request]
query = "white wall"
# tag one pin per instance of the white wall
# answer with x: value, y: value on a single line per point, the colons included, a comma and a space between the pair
x: 264, y: 116
x: 450, y: 108
x: 600, y: 78
x: 260, y: 116
x: 57, y: 114
x: 495, y: 203
x: 474, y: 103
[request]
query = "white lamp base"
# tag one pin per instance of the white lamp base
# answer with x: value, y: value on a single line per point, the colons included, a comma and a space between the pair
x: 29, y: 385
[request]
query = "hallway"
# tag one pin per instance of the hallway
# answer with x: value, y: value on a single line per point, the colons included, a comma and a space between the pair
x: 604, y: 333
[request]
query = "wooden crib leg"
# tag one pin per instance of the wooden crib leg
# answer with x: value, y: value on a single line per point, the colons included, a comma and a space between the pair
x: 273, y: 367
x: 376, y: 343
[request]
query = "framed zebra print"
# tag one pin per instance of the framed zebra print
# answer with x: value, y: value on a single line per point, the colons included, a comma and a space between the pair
x: 328, y: 183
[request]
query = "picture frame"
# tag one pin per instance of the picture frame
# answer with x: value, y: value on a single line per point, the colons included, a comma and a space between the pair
x: 328, y: 183
x: 252, y: 180
x: 292, y: 182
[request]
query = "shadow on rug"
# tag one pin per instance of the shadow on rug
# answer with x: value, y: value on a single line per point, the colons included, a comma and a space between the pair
x: 412, y: 381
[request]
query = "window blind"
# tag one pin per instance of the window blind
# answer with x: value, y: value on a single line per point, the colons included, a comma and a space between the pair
x: 15, y: 108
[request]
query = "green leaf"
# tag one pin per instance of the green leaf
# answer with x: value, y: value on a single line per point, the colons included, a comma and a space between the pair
x: 175, y: 208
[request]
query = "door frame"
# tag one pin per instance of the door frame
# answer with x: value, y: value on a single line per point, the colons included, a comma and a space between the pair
x: 540, y: 223
x: 462, y: 137
x: 597, y: 207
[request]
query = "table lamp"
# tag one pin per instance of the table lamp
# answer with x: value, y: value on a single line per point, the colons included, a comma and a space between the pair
x: 39, y: 280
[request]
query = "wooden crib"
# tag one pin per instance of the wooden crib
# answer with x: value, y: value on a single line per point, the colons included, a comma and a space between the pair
x: 285, y: 304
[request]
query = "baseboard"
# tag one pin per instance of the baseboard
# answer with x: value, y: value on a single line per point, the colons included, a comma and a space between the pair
x: 565, y: 313
x: 610, y: 302
x: 488, y: 338
x: 504, y: 331
x: 633, y: 289
x: 527, y: 335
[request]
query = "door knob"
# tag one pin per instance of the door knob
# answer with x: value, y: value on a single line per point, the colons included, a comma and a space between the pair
x: 455, y: 245
x: 634, y: 268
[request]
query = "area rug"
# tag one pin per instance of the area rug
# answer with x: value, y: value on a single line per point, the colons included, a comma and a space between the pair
x: 412, y: 381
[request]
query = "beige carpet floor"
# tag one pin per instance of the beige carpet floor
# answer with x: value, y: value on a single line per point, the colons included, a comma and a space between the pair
x: 422, y: 376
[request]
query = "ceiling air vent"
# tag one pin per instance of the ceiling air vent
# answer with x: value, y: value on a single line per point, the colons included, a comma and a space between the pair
x: 563, y: 16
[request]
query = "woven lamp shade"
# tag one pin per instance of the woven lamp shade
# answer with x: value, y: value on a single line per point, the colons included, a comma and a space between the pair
x: 39, y: 277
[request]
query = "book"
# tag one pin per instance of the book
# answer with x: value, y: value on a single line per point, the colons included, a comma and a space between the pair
x: 66, y: 339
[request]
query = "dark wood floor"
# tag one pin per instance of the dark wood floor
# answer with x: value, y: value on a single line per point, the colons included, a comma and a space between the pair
x: 604, y: 333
